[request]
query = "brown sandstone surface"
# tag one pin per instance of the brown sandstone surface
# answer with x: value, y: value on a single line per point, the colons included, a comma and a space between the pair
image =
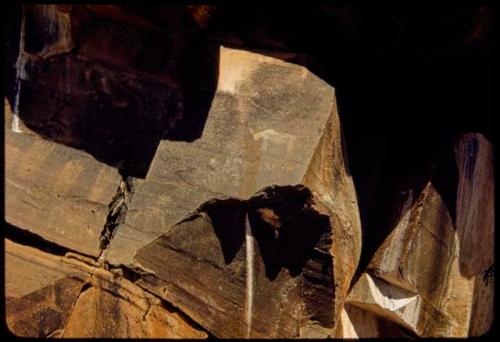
x: 205, y: 172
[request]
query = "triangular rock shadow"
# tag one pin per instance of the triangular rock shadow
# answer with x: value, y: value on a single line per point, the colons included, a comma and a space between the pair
x: 287, y: 229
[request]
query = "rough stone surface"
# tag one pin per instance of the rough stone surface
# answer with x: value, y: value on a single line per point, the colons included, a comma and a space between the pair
x: 114, y: 307
x: 475, y: 225
x: 415, y: 278
x: 50, y: 295
x: 48, y: 30
x: 254, y: 137
x: 475, y: 211
x: 231, y: 210
x: 57, y: 192
x: 40, y: 290
x: 288, y: 273
x: 483, y: 313
x: 111, y: 88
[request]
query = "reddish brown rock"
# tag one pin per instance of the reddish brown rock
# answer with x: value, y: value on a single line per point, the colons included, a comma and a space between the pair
x: 429, y: 276
x: 252, y: 155
x: 414, y: 278
x: 121, y: 90
x: 475, y: 225
x: 57, y: 192
x: 115, y: 307
x: 246, y: 219
x: 47, y: 30
x: 50, y: 295
x: 40, y: 290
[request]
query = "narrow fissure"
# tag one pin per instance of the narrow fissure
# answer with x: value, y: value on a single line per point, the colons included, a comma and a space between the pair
x: 117, y: 211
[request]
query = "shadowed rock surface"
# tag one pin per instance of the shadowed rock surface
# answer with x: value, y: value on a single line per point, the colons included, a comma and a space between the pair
x: 234, y: 158
x: 212, y: 171
x: 417, y: 277
x: 293, y: 285
x: 59, y: 193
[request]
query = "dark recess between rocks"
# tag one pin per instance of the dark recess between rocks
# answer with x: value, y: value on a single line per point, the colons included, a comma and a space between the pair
x: 408, y: 83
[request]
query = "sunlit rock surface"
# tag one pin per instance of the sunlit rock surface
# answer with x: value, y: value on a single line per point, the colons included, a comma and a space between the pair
x: 211, y: 171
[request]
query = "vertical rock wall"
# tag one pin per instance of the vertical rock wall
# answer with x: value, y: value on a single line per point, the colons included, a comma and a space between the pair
x: 184, y: 172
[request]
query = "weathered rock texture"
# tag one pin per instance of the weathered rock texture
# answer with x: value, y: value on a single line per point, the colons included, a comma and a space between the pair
x: 57, y: 192
x: 115, y: 307
x: 111, y: 88
x: 475, y: 212
x: 182, y: 172
x: 40, y: 290
x: 69, y: 296
x: 271, y: 123
x: 421, y: 276
x: 475, y: 225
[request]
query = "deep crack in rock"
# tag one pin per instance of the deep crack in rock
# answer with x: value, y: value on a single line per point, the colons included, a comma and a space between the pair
x: 117, y: 212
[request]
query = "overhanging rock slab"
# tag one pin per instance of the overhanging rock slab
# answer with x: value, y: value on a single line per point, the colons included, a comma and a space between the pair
x: 272, y: 138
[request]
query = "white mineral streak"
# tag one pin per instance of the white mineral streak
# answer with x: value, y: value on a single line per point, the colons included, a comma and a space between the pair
x: 397, y: 304
x: 249, y: 241
x: 389, y: 297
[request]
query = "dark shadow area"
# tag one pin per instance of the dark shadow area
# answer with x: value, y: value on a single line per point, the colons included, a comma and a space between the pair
x: 289, y: 233
x: 408, y: 83
x: 292, y: 235
x: 445, y: 180
x: 27, y: 238
x: 288, y: 230
x: 228, y: 221
x: 12, y: 28
x: 119, y: 91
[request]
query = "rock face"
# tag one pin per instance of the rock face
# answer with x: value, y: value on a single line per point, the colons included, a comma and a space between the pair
x: 259, y: 133
x: 56, y: 192
x: 182, y: 172
x: 115, y: 307
x: 102, y: 86
x: 65, y: 296
x: 475, y: 225
x: 475, y: 212
x: 420, y: 277
x: 40, y: 290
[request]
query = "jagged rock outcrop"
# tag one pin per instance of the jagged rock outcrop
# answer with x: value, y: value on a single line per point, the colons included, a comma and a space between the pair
x: 182, y: 172
x: 434, y: 269
x: 292, y: 139
x: 40, y: 290
x: 68, y: 295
